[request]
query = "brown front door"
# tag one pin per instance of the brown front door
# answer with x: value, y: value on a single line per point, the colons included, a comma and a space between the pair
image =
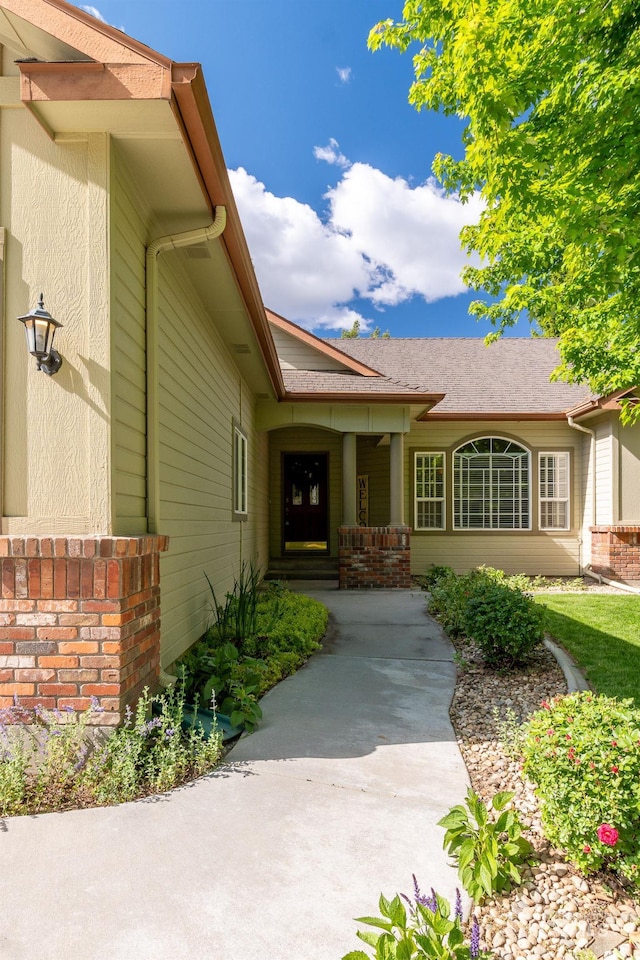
x: 305, y: 509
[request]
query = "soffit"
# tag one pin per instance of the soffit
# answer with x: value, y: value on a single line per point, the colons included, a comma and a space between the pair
x: 207, y: 266
x: 30, y: 41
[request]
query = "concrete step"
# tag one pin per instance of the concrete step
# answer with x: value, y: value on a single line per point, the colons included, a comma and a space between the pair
x: 302, y: 568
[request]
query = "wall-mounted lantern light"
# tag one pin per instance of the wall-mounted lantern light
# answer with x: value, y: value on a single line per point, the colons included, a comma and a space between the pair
x: 40, y: 328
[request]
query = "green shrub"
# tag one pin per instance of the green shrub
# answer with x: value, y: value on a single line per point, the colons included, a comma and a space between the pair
x: 433, y: 574
x: 489, y: 852
x: 450, y: 596
x: 50, y: 759
x: 287, y: 627
x: 583, y: 753
x: 506, y: 624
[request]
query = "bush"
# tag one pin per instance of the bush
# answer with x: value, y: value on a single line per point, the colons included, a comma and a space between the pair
x: 506, y: 624
x: 450, y: 596
x: 49, y: 759
x: 433, y: 574
x: 583, y: 753
x: 287, y: 629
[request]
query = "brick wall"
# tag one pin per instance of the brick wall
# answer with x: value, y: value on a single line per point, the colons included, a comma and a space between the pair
x: 79, y: 618
x: 374, y: 557
x: 615, y: 551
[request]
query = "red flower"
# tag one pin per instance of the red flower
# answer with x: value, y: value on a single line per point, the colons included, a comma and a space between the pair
x: 567, y: 736
x: 614, y: 769
x: 607, y: 834
x: 586, y: 848
x: 545, y: 705
x: 614, y: 743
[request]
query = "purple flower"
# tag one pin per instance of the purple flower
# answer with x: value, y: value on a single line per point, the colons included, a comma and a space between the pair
x: 458, y: 910
x: 150, y: 726
x: 474, y: 947
x: 169, y: 732
x: 68, y: 708
x: 431, y: 903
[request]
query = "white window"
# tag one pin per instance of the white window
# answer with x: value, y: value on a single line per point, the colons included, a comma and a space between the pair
x: 554, y: 491
x: 491, y: 485
x: 429, y: 491
x: 240, y: 472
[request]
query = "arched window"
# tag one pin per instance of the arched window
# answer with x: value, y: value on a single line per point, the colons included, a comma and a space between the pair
x: 491, y: 483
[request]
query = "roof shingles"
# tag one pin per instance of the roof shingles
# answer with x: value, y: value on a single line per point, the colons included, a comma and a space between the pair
x: 509, y: 376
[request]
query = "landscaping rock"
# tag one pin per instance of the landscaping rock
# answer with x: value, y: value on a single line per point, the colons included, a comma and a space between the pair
x: 557, y: 911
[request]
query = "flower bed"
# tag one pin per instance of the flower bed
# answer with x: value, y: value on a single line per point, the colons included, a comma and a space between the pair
x: 557, y: 911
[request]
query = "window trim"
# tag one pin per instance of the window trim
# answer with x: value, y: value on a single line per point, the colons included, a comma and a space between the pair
x: 554, y: 453
x: 442, y: 499
x: 529, y: 500
x: 240, y: 473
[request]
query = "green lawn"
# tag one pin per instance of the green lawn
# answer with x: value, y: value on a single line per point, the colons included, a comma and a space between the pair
x: 602, y: 634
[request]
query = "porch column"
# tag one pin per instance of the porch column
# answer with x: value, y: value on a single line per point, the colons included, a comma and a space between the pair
x: 349, y: 477
x: 396, y: 477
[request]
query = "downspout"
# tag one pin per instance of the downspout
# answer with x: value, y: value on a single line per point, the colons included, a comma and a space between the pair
x: 592, y: 434
x: 156, y: 247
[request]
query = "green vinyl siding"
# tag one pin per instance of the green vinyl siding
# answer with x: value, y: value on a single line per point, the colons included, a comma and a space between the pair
x: 128, y: 365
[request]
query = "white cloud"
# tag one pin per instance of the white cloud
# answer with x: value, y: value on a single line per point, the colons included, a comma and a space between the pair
x: 331, y: 154
x: 307, y: 271
x: 94, y: 12
x: 344, y: 74
x: 410, y: 233
x: 383, y: 240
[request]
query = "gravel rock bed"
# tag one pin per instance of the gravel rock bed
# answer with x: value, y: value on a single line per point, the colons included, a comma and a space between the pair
x: 557, y: 912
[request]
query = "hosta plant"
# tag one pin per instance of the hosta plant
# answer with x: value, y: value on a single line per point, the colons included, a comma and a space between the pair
x: 489, y: 852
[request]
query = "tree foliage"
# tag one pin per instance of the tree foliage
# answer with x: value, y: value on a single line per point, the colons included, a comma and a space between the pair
x: 353, y: 332
x: 550, y: 90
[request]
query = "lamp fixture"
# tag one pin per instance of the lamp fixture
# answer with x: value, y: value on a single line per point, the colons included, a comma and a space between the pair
x: 40, y: 328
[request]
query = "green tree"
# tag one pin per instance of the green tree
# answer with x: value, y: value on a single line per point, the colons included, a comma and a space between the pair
x: 354, y: 332
x: 550, y: 91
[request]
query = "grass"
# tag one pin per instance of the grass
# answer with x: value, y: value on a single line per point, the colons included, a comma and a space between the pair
x: 602, y: 634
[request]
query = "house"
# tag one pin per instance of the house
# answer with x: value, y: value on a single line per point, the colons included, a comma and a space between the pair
x: 188, y: 430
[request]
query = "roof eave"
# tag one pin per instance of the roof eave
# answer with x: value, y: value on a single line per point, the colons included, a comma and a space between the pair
x: 341, y: 397
x: 489, y: 415
x: 607, y: 402
x: 321, y: 345
x: 196, y: 118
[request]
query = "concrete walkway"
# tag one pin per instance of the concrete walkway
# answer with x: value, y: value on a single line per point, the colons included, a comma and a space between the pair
x: 334, y: 799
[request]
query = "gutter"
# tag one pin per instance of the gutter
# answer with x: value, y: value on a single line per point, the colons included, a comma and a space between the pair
x: 154, y: 250
x: 592, y: 434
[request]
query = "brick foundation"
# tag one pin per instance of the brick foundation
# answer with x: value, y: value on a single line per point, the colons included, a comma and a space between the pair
x: 615, y: 551
x: 374, y: 557
x: 79, y: 618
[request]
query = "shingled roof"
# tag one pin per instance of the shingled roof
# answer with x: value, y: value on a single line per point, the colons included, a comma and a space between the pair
x: 308, y: 384
x: 508, y: 377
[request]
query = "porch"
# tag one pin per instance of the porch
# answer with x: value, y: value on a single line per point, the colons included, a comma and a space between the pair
x: 336, y: 507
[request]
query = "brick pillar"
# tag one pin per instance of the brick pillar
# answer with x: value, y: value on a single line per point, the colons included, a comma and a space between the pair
x: 79, y: 618
x: 615, y: 551
x: 376, y: 557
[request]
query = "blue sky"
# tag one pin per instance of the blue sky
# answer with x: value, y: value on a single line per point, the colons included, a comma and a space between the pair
x: 330, y: 166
